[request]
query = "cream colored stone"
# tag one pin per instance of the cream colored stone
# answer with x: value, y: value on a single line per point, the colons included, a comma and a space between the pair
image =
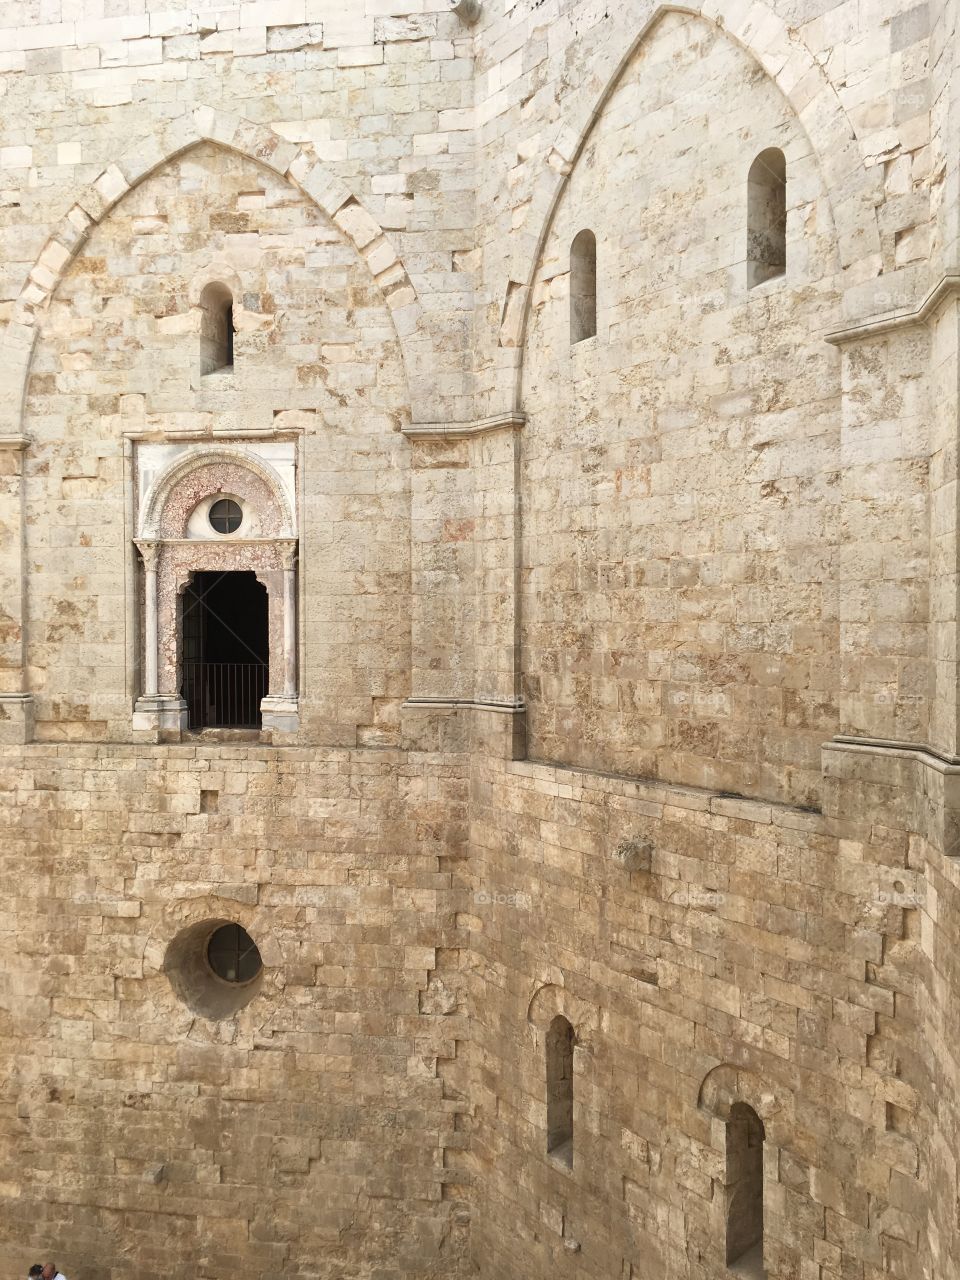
x: 687, y: 588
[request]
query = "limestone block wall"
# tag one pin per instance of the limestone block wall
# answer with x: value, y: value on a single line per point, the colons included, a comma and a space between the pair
x: 119, y: 356
x: 791, y: 961
x: 379, y: 92
x: 306, y: 1135
x: 699, y: 545
x: 679, y: 482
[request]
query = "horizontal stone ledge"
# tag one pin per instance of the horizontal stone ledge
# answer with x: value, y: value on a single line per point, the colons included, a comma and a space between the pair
x: 942, y: 761
x: 155, y: 435
x: 281, y: 539
x: 14, y: 441
x: 565, y: 779
x: 464, y: 704
x: 464, y: 430
x: 888, y: 322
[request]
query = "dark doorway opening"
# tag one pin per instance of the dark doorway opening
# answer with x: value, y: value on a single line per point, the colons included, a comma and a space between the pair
x: 226, y: 650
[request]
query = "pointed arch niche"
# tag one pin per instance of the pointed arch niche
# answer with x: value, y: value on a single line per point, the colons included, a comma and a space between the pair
x: 147, y: 155
x: 190, y: 393
x: 217, y: 537
x: 756, y: 1119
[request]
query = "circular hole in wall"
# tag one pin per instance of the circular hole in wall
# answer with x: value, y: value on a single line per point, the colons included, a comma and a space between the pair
x: 226, y: 516
x: 214, y: 967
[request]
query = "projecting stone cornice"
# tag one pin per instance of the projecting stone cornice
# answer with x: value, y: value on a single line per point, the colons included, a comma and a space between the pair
x: 14, y: 442
x: 466, y: 704
x: 887, y: 322
x: 171, y: 436
x: 511, y: 421
x: 941, y: 761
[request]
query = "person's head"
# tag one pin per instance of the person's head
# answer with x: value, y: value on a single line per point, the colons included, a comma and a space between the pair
x: 35, y: 1271
x: 48, y: 1272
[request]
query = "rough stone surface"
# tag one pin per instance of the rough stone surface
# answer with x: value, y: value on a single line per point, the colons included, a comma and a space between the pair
x: 626, y: 671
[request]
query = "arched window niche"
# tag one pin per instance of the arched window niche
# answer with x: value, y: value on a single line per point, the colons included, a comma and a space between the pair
x: 216, y: 329
x: 217, y: 540
x: 583, y: 287
x: 744, y: 1181
x: 560, y: 1042
x: 766, y: 217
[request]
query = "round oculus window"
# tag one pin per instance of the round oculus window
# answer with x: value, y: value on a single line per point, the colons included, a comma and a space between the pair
x: 232, y: 954
x: 226, y: 516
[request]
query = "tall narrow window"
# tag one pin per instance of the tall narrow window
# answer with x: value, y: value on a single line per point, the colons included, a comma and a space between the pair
x: 583, y: 287
x: 745, y: 1192
x: 216, y: 328
x: 766, y: 217
x: 560, y: 1041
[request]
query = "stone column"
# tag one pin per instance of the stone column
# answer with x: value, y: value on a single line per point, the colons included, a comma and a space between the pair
x: 464, y: 572
x: 16, y: 704
x: 289, y: 622
x: 156, y: 717
x: 883, y: 536
x: 280, y: 712
x: 150, y: 553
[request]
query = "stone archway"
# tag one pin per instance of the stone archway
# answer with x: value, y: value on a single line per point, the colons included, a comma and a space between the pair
x: 765, y: 37
x: 180, y: 548
x: 142, y: 158
x: 752, y: 1115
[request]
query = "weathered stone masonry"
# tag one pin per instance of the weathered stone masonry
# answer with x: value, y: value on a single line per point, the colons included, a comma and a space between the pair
x: 612, y: 682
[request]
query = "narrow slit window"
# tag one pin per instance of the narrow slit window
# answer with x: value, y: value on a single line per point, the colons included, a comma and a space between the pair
x: 744, y: 1246
x: 216, y: 328
x: 560, y: 1042
x: 583, y: 287
x: 766, y: 217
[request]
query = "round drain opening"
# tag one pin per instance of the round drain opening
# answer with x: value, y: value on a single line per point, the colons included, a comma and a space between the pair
x: 215, y: 968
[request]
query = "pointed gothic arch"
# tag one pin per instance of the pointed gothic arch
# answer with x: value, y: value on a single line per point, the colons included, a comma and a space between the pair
x: 762, y: 34
x: 142, y: 158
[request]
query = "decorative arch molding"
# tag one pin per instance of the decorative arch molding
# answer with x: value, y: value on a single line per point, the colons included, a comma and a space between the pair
x: 761, y: 33
x: 552, y: 999
x: 142, y: 158
x: 199, y: 458
x: 726, y: 1084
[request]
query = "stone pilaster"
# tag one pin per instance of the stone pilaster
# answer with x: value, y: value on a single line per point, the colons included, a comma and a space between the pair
x: 16, y: 704
x: 464, y: 526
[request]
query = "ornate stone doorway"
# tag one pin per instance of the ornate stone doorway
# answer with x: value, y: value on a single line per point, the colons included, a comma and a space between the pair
x: 218, y: 542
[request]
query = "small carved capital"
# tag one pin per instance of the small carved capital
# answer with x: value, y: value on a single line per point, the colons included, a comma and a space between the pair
x: 288, y: 555
x: 150, y: 554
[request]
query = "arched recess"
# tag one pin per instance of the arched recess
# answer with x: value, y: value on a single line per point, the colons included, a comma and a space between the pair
x: 551, y: 1000
x: 564, y: 1029
x: 148, y: 524
x: 254, y: 141
x: 759, y: 31
x: 726, y: 1085
x: 750, y: 1115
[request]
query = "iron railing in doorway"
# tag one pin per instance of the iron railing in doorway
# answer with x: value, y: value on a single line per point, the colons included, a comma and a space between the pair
x: 224, y: 695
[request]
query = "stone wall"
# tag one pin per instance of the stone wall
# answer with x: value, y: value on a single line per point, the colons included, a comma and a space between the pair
x: 119, y: 357
x: 627, y: 671
x: 776, y: 958
x: 680, y: 510
x: 305, y: 1136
